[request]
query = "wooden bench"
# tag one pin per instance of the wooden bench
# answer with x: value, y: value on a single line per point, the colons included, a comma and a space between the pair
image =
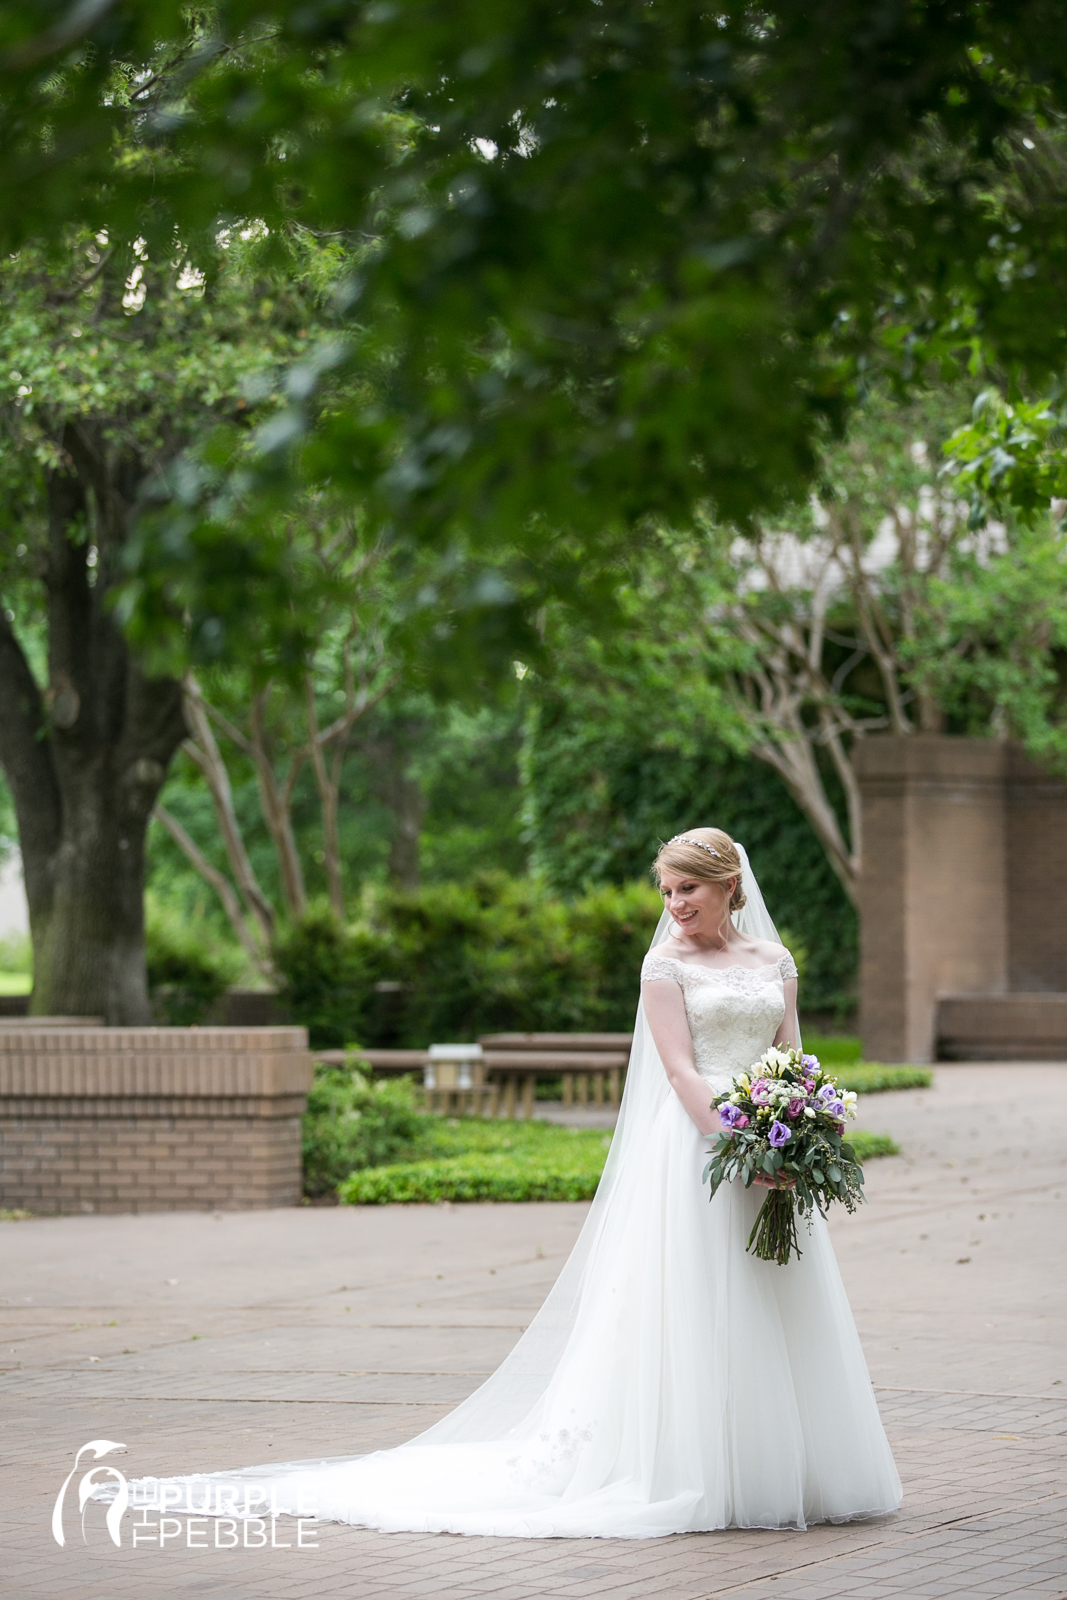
x: 592, y: 1068
x: 386, y: 1063
x: 591, y: 1065
x: 445, y: 1088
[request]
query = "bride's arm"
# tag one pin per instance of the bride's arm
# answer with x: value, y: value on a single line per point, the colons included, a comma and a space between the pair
x: 665, y: 1011
x: 789, y: 1033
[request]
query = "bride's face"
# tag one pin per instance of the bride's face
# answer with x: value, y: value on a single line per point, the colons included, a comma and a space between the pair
x: 697, y: 906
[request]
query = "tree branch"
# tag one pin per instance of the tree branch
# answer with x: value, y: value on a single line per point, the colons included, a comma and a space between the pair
x: 227, y: 727
x: 221, y: 885
x: 277, y: 810
x: 203, y: 749
x: 328, y: 788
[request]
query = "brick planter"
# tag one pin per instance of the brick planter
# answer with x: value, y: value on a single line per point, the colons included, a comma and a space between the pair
x: 151, y: 1119
x: 1003, y: 1027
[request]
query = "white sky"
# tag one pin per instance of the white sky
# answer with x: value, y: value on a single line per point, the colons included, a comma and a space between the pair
x: 14, y: 916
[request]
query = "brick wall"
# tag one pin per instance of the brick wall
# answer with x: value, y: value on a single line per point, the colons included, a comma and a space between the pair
x: 151, y: 1119
x: 963, y: 894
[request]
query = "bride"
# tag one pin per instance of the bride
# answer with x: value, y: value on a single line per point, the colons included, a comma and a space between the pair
x: 671, y: 1382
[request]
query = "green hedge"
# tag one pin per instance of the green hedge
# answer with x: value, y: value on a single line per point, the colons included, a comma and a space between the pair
x: 186, y: 973
x: 516, y: 1161
x: 352, y: 1122
x: 868, y: 1146
x: 496, y: 954
x: 472, y: 1159
x: 870, y: 1077
x: 473, y: 1177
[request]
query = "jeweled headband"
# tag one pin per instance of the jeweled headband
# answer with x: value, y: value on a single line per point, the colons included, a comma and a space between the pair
x: 682, y: 838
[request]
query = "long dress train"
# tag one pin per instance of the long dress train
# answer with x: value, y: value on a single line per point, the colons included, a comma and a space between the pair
x: 672, y: 1382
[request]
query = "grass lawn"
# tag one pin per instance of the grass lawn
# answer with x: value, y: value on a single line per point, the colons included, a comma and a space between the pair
x: 15, y: 983
x: 501, y: 1160
x: 833, y: 1049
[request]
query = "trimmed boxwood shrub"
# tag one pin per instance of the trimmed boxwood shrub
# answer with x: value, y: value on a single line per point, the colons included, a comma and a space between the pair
x: 352, y: 1122
x: 870, y: 1077
x: 329, y: 975
x: 473, y: 1177
x: 868, y: 1146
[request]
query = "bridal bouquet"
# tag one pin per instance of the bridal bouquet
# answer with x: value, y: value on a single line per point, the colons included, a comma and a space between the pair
x: 784, y: 1118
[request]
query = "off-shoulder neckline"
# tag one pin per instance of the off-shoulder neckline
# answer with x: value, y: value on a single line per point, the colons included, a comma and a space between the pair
x: 734, y: 966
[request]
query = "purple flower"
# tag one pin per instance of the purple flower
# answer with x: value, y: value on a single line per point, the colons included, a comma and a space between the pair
x: 729, y: 1116
x: 795, y: 1108
x: 827, y: 1092
x: 811, y: 1063
x: 760, y: 1090
x: 779, y: 1135
x: 835, y: 1109
x: 742, y: 1121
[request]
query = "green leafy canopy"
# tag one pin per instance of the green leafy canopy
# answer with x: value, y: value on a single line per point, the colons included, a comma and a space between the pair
x: 609, y: 261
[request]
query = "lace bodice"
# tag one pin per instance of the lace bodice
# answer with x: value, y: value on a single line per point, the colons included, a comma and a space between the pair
x: 734, y: 1012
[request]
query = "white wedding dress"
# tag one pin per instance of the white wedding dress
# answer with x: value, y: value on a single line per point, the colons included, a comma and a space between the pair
x: 671, y: 1383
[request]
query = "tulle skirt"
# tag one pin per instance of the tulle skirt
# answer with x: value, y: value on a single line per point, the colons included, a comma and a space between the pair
x: 699, y: 1389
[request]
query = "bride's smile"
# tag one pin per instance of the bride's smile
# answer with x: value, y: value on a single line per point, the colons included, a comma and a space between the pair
x: 698, y: 909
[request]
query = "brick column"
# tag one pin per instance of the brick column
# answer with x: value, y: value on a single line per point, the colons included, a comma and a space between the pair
x: 1036, y: 853
x: 151, y: 1119
x: 933, y: 892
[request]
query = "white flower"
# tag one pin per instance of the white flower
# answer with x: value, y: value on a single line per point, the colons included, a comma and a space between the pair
x: 808, y: 1112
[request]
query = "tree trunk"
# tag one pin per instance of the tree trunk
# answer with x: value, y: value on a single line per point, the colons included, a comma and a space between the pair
x: 86, y: 898
x: 86, y: 758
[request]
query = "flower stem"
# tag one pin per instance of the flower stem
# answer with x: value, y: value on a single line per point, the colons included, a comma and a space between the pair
x: 774, y: 1232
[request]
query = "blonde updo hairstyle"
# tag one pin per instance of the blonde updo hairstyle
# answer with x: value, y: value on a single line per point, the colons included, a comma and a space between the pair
x: 716, y: 862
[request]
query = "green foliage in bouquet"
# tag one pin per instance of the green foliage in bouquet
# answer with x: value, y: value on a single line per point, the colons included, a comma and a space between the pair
x: 784, y: 1120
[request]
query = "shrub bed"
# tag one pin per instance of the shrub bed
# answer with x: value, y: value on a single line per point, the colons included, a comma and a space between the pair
x: 473, y: 1177
x: 452, y: 961
x: 871, y: 1077
x: 185, y: 976
x: 498, y: 1160
x: 515, y: 1161
x: 868, y: 1146
x: 352, y: 1122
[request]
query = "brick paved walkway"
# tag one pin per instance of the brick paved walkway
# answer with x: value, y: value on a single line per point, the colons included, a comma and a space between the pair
x: 206, y: 1342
